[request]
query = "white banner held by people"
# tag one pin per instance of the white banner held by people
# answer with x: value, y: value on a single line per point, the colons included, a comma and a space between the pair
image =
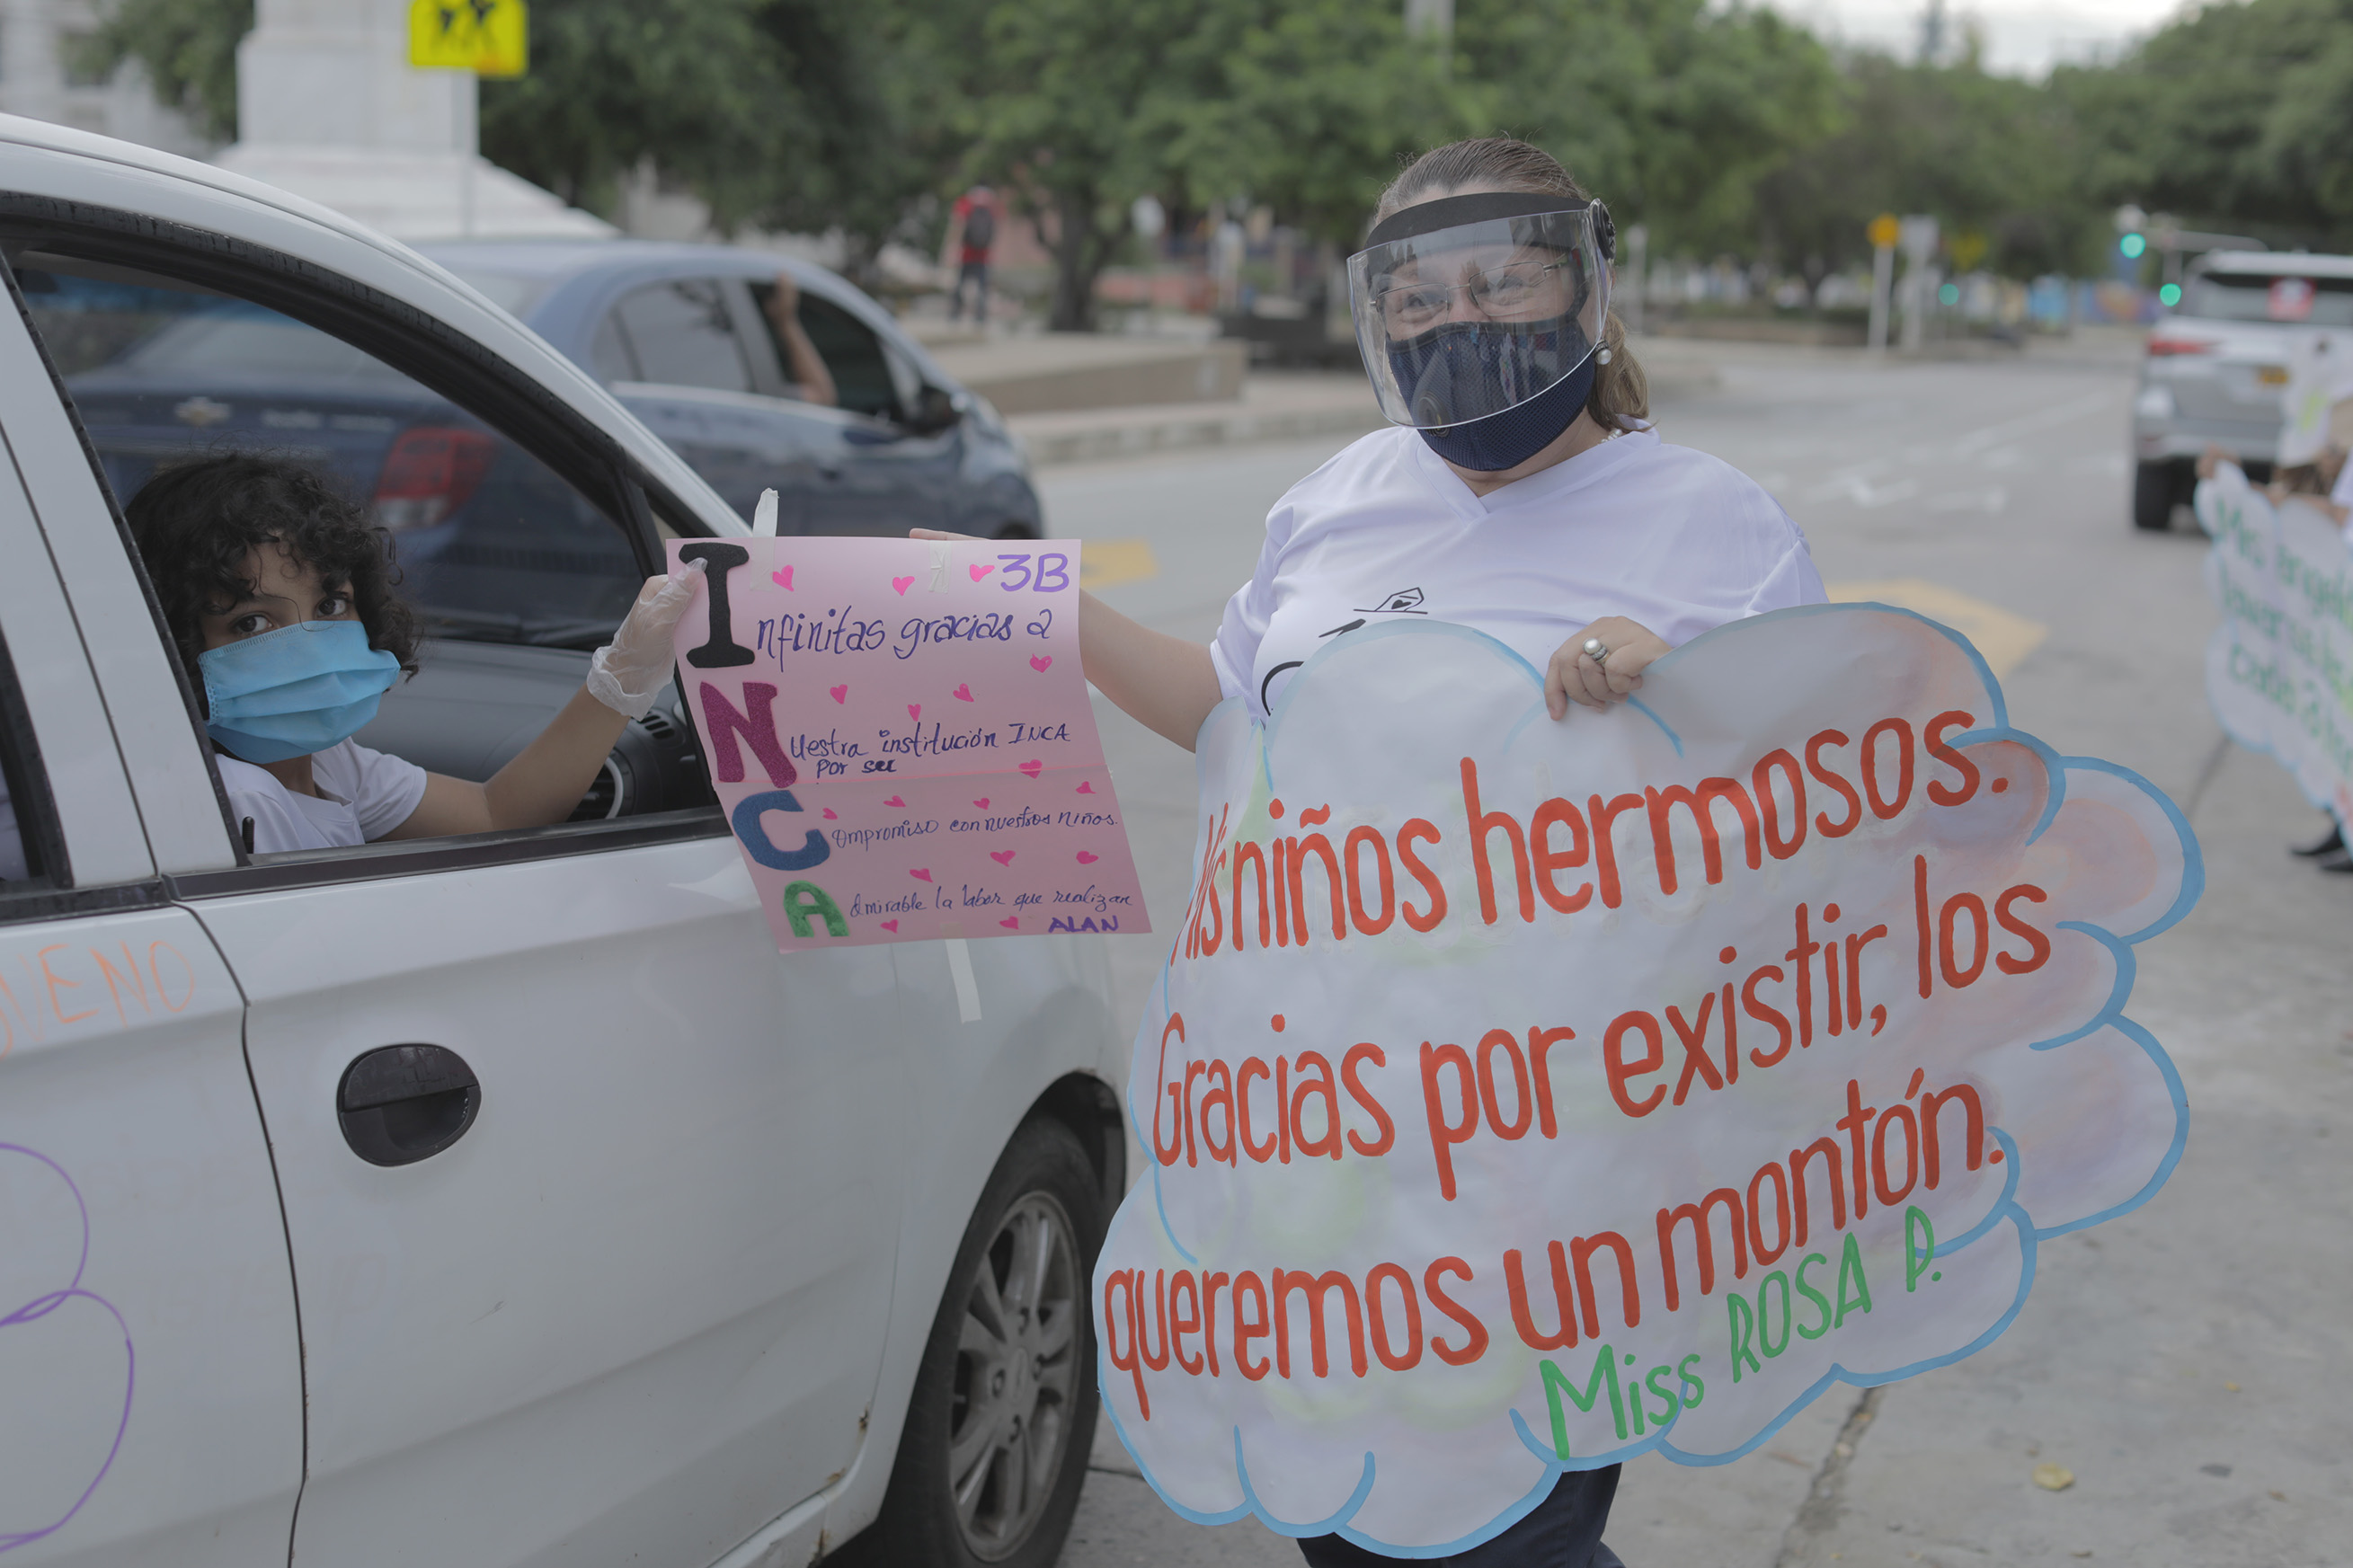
x: 1522, y: 1096
x: 2279, y: 667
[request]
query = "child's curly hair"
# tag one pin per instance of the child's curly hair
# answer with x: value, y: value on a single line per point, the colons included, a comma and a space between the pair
x: 196, y: 523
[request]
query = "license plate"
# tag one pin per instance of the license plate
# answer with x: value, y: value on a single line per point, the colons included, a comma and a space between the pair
x: 2272, y: 374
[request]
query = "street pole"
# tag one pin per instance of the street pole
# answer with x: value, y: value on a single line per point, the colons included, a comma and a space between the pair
x: 1638, y: 263
x: 1883, y: 232
x: 469, y: 139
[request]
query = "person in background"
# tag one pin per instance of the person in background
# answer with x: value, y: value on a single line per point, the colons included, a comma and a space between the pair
x: 2325, y: 484
x: 976, y: 236
x: 812, y: 383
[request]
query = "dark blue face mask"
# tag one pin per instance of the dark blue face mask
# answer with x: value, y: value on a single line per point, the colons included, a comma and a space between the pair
x: 1480, y: 364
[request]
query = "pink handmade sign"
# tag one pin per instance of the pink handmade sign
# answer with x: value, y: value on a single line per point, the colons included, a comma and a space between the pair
x: 899, y: 732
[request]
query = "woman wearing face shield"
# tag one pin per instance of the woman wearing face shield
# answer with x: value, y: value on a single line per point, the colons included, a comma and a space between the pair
x: 1522, y: 492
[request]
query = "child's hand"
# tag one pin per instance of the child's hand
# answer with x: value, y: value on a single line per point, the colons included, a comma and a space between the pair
x: 628, y: 672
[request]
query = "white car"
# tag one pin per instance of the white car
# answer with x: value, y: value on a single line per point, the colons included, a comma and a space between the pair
x: 2217, y: 363
x: 490, y: 1200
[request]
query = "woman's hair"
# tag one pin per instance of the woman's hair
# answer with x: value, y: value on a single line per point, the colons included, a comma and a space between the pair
x: 196, y: 525
x: 1621, y: 394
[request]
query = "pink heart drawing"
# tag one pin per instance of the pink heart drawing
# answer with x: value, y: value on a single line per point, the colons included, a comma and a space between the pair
x: 903, y: 584
x: 1002, y: 857
x: 914, y: 711
x: 1086, y: 858
x: 921, y: 875
x: 1042, y: 662
x: 962, y: 693
x: 829, y: 814
x: 1033, y: 769
x: 838, y: 693
x: 890, y: 926
x: 895, y: 800
x: 979, y: 571
x: 783, y: 579
x: 1011, y: 922
x: 982, y: 803
x: 1084, y: 788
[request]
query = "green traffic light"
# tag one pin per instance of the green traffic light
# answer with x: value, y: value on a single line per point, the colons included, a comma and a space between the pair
x: 2169, y: 296
x: 2132, y: 244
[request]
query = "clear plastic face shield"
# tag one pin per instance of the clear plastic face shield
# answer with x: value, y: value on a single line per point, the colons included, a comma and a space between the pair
x: 1469, y: 306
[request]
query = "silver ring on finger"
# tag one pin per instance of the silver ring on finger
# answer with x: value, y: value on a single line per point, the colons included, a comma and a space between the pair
x: 1597, y: 651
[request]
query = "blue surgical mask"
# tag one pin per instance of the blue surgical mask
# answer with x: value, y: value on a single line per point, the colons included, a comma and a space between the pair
x: 294, y: 692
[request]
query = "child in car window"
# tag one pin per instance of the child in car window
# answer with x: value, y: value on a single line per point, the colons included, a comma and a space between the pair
x: 281, y: 596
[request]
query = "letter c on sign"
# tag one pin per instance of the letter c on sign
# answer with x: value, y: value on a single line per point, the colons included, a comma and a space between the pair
x: 754, y: 838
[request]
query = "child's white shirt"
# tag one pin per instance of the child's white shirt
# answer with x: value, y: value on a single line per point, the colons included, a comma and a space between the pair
x: 362, y: 796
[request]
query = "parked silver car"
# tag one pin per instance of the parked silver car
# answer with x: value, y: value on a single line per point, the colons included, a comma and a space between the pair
x: 2217, y: 364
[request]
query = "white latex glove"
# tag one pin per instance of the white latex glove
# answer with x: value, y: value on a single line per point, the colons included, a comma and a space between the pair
x: 629, y: 672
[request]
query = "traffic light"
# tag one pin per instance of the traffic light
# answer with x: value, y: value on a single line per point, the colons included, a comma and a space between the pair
x: 2132, y: 246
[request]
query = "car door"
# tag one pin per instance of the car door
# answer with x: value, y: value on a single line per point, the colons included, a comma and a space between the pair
x: 588, y: 1190
x: 692, y: 378
x: 151, y: 1397
x: 895, y: 476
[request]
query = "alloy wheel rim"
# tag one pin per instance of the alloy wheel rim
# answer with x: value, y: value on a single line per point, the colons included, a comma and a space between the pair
x: 1016, y: 1377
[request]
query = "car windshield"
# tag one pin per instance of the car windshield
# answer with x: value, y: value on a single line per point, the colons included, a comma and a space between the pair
x: 492, y: 545
x: 2271, y: 297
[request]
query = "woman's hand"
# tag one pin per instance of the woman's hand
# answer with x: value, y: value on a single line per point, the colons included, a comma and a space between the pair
x: 1575, y: 676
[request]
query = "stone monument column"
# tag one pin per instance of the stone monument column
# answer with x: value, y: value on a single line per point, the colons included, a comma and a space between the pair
x: 328, y: 107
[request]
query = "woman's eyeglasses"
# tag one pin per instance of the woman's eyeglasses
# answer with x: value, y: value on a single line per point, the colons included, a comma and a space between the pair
x: 1502, y: 291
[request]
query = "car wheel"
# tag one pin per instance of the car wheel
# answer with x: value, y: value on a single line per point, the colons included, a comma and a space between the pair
x: 1003, y: 1413
x: 2154, y: 487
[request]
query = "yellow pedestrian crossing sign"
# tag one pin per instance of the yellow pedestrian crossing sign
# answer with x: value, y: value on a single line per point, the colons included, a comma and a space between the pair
x: 488, y: 38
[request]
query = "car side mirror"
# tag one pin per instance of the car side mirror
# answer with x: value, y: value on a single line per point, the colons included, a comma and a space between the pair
x: 935, y: 410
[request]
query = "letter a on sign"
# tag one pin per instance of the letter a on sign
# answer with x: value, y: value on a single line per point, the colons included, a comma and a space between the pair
x: 488, y: 38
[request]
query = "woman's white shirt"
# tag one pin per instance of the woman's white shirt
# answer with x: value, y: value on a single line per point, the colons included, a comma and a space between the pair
x: 1665, y: 536
x: 362, y: 796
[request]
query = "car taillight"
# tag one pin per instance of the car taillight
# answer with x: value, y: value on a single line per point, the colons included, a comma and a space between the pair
x: 2161, y: 346
x: 430, y: 473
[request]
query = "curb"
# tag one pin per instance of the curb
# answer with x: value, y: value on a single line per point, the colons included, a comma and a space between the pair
x: 1103, y: 442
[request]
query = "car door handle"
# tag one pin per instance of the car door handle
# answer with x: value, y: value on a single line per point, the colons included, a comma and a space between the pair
x: 400, y: 1104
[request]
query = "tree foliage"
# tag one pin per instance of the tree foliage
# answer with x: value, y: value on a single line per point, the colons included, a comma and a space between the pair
x: 2234, y: 117
x: 1725, y: 128
x: 188, y: 49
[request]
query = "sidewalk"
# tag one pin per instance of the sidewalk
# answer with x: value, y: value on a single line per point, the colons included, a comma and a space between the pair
x: 1278, y: 405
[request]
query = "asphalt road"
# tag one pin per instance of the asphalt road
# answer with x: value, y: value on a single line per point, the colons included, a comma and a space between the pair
x: 2186, y: 1363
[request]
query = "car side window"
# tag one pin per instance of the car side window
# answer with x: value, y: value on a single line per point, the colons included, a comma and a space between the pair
x: 862, y: 382
x: 680, y: 334
x: 515, y: 574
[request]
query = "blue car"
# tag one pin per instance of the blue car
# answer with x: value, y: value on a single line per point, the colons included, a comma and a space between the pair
x: 682, y: 334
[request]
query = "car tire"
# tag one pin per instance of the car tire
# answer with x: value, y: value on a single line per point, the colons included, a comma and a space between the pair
x: 1003, y: 1413
x: 2154, y: 488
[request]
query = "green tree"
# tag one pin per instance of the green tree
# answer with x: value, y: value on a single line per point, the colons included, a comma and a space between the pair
x: 1317, y: 105
x: 189, y: 50
x: 1985, y: 154
x: 697, y: 86
x: 1670, y: 111
x: 2232, y: 117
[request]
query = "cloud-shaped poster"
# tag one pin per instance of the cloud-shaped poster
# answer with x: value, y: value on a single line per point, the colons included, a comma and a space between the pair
x: 1522, y: 1096
x: 2279, y: 667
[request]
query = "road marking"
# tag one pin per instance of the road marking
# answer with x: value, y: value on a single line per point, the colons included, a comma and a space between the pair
x: 1113, y: 562
x: 2005, y: 640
